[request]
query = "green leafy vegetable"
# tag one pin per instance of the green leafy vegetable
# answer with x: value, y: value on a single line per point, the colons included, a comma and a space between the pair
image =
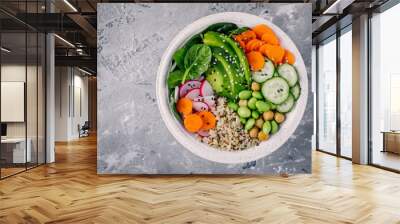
x: 225, y: 28
x: 238, y: 31
x: 174, y: 78
x: 179, y: 55
x: 172, y: 106
x: 197, y: 61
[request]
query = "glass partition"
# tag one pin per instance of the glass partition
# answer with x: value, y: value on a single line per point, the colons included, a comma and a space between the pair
x: 14, y: 153
x: 346, y: 92
x: 22, y: 101
x: 41, y: 97
x: 385, y: 89
x: 31, y: 97
x: 327, y: 96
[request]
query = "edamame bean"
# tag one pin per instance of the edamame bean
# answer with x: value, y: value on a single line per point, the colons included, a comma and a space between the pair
x: 233, y: 106
x: 251, y: 103
x: 257, y: 95
x: 242, y: 120
x: 255, y: 114
x: 244, y: 112
x: 275, y: 127
x: 262, y: 106
x: 249, y: 124
x: 266, y: 127
x: 245, y: 94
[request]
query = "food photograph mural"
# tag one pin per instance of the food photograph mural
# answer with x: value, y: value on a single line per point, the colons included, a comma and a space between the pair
x: 204, y: 88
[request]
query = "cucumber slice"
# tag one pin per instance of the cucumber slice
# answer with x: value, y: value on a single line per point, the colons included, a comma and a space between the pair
x: 289, y: 73
x: 295, y: 91
x: 266, y: 73
x: 287, y: 105
x: 275, y: 90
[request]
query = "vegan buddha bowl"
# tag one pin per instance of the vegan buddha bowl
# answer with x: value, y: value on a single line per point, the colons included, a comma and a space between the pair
x: 232, y: 87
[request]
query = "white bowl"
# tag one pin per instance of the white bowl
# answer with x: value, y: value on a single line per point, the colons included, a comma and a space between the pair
x: 188, y: 140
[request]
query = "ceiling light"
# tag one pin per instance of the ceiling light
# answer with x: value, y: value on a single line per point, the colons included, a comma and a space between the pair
x: 5, y: 50
x: 331, y: 7
x: 70, y: 5
x: 84, y: 71
x: 338, y: 6
x: 65, y: 41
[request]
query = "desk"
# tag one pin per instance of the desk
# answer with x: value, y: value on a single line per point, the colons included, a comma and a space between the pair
x: 391, y: 141
x: 16, y: 147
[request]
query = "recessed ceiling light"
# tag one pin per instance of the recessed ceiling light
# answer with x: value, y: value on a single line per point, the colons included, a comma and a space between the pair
x: 337, y: 7
x: 84, y: 71
x: 70, y: 5
x: 5, y: 50
x: 64, y: 40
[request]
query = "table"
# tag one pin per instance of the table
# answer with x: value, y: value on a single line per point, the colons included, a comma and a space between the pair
x: 16, y: 147
x: 391, y: 141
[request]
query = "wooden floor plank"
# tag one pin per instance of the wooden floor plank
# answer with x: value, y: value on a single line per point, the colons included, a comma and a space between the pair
x: 70, y: 191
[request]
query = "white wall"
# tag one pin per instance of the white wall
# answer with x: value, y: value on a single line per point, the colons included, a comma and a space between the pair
x: 70, y: 109
x: 33, y: 126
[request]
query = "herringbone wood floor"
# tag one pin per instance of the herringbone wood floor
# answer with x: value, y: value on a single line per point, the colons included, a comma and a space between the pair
x: 70, y: 191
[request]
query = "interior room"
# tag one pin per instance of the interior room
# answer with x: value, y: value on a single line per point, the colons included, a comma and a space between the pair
x: 87, y: 137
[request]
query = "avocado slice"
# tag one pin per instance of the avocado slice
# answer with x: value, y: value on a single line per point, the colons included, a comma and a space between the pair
x: 216, y: 80
x: 215, y: 39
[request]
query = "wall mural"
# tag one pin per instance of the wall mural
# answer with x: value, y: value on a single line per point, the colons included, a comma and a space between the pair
x: 204, y: 88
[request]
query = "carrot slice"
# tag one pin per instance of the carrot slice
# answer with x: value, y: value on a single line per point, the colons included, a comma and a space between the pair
x: 289, y: 57
x: 274, y: 53
x: 250, y: 44
x: 209, y: 120
x: 238, y: 38
x: 261, y: 29
x: 184, y: 106
x: 257, y: 45
x: 262, y: 49
x: 270, y: 38
x: 193, y: 122
x: 248, y: 35
x: 256, y: 60
x: 242, y: 44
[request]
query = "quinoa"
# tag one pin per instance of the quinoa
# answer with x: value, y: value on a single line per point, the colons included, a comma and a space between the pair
x: 229, y: 133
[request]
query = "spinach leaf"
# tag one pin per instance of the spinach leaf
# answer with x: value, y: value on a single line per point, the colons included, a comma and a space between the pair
x: 225, y: 28
x: 172, y: 106
x: 238, y: 31
x: 197, y: 60
x: 174, y: 78
x: 179, y: 55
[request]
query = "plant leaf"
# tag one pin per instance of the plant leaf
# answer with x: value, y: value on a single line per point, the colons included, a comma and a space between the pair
x: 197, y: 61
x: 221, y: 27
x: 179, y: 55
x: 174, y: 78
x: 238, y: 31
